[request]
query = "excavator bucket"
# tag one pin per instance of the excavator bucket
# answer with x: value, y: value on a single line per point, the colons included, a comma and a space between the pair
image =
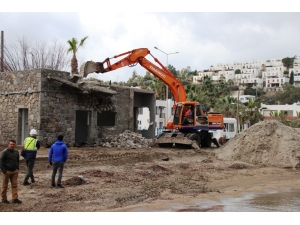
x: 89, y: 67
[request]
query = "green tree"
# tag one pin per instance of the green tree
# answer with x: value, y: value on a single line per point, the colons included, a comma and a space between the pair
x: 278, y: 115
x: 290, y: 94
x: 73, y: 47
x: 253, y: 91
x: 288, y: 62
x: 227, y: 106
x: 172, y: 69
x: 291, y: 81
x: 237, y: 71
x: 251, y: 111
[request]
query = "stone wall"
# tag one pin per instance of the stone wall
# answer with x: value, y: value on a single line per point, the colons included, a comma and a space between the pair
x: 52, y: 107
x: 124, y: 112
x: 59, y: 103
x: 18, y: 89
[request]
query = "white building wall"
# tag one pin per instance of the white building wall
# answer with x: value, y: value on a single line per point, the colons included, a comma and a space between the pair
x: 274, y: 71
x: 290, y: 110
x: 164, y: 113
x: 245, y: 98
x: 144, y: 119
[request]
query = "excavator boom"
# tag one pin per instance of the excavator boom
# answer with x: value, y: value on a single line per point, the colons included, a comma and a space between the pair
x: 138, y: 56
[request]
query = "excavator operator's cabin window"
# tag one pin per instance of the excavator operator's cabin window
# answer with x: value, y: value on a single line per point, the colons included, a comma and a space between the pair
x: 198, y: 112
x: 178, y: 110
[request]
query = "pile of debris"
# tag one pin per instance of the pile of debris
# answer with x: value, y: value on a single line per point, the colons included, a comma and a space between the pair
x: 127, y: 140
x: 269, y: 143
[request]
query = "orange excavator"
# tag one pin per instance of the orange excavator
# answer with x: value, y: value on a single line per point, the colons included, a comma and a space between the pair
x: 192, y: 129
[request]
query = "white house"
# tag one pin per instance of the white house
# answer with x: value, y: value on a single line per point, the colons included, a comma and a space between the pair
x: 245, y: 98
x: 163, y: 114
x: 143, y: 118
x: 289, y: 110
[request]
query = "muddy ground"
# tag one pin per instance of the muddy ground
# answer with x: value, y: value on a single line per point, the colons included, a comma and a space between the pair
x: 131, y: 180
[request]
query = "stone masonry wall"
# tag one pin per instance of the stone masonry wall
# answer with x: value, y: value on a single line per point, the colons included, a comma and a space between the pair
x: 18, y: 89
x: 124, y: 112
x: 58, y: 110
x: 52, y: 107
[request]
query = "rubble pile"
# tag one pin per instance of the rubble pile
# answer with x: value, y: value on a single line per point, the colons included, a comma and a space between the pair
x: 127, y: 140
x: 269, y: 143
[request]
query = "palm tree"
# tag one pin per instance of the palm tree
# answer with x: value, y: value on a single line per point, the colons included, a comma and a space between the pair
x: 277, y: 115
x: 226, y: 106
x: 74, y: 48
x: 251, y: 111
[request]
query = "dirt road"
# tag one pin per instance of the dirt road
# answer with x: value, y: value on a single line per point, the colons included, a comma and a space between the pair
x: 123, y: 180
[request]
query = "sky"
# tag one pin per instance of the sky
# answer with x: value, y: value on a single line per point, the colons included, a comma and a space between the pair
x: 204, y: 36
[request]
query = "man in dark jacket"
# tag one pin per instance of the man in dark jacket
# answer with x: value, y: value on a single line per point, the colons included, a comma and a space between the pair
x: 9, y: 164
x: 58, y: 155
x: 31, y: 144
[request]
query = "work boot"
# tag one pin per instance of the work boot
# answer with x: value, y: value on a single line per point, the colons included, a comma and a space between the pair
x: 53, y: 184
x: 26, y: 183
x: 17, y: 201
x: 32, y: 180
x: 5, y: 201
x: 60, y: 186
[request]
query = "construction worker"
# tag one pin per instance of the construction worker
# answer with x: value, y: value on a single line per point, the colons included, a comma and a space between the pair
x: 31, y: 144
x: 9, y: 164
x: 187, y: 113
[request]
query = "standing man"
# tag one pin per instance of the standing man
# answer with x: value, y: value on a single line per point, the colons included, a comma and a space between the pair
x: 9, y: 164
x: 58, y: 155
x: 31, y: 144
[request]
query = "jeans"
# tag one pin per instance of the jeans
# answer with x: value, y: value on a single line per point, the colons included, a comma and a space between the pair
x: 13, y: 177
x: 57, y: 166
x: 30, y: 165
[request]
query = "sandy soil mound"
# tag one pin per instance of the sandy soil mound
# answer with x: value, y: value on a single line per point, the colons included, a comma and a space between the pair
x: 270, y: 143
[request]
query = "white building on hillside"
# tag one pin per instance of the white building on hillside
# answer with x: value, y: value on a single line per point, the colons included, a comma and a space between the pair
x: 289, y: 110
x: 267, y: 74
x: 245, y: 98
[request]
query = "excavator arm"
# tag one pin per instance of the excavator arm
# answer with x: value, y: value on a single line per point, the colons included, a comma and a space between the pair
x: 138, y: 56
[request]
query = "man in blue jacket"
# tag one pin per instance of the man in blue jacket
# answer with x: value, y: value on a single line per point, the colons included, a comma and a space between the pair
x: 58, y: 155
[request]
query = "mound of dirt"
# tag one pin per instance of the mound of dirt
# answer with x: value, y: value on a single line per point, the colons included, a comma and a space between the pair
x: 269, y: 143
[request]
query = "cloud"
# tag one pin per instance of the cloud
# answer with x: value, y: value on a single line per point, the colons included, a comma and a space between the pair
x: 201, y: 38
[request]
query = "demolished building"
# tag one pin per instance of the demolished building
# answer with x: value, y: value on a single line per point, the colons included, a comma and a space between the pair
x: 84, y: 112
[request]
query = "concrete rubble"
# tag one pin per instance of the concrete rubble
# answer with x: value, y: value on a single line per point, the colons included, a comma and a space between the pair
x: 127, y: 140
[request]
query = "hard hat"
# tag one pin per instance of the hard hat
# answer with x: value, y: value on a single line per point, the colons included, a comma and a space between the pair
x: 33, y: 132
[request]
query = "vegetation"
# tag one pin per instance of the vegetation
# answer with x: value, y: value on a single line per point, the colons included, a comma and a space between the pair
x: 26, y: 55
x: 288, y: 62
x: 254, y: 91
x: 238, y: 71
x: 290, y: 95
x: 291, y: 81
x: 281, y: 116
x: 73, y: 47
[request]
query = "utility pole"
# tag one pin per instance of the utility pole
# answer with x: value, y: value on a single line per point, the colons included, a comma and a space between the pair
x: 2, y: 51
x: 255, y: 89
x: 237, y: 110
x: 167, y: 88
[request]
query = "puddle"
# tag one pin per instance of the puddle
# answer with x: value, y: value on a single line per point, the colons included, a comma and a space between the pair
x: 270, y: 201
